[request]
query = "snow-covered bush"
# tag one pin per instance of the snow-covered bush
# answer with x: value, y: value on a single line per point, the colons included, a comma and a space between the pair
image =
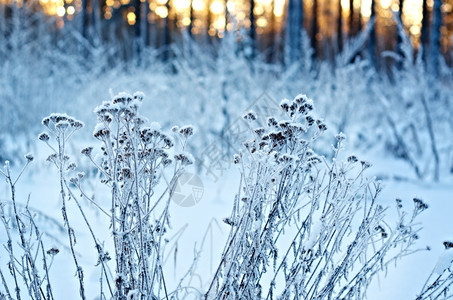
x: 134, y: 157
x: 133, y: 161
x: 303, y: 227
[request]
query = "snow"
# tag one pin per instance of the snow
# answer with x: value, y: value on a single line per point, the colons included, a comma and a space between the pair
x: 445, y: 261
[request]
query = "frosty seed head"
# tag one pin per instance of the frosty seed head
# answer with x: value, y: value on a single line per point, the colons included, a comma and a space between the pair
x: 44, y: 136
x: 53, y: 251
x: 284, y: 105
x: 100, y: 132
x: 420, y: 205
x: 62, y: 125
x: 87, y: 151
x: 186, y: 131
x: 340, y: 137
x: 300, y: 99
x: 52, y: 158
x: 310, y: 120
x: 365, y: 164
x: 352, y: 159
x: 46, y: 121
x: 139, y: 96
x: 29, y: 157
x: 71, y: 167
x: 250, y: 116
x: 184, y: 158
x: 448, y: 244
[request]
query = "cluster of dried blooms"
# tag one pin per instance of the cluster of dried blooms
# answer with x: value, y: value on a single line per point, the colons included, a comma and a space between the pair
x: 303, y: 227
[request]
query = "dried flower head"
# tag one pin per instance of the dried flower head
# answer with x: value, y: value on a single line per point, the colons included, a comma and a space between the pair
x: 29, y: 157
x: 186, y: 131
x: 87, y: 151
x: 44, y: 136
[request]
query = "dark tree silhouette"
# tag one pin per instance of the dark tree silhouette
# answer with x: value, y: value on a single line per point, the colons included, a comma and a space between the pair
x: 372, y: 37
x: 340, y: 27
x: 436, y: 36
x: 314, y: 27
x: 294, y: 29
x: 425, y: 31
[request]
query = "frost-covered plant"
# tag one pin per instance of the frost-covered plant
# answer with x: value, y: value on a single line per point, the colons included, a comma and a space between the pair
x: 134, y: 158
x: 439, y: 283
x: 303, y: 227
x: 29, y: 261
x: 62, y: 127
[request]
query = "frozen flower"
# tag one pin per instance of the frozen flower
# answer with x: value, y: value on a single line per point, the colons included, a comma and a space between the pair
x: 71, y: 167
x: 271, y: 122
x: 62, y: 125
x: 310, y: 120
x: 340, y: 137
x: 87, y: 151
x: 186, y: 131
x: 448, y: 244
x: 53, y: 251
x: 284, y: 105
x: 250, y: 116
x: 139, y: 96
x: 52, y: 158
x: 419, y: 204
x: 44, y: 137
x: 352, y: 159
x: 185, y: 158
x: 365, y: 164
x: 300, y: 99
x: 29, y: 157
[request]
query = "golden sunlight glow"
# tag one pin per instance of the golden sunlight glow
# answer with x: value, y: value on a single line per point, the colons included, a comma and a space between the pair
x: 261, y: 22
x: 60, y: 11
x: 386, y: 3
x: 279, y: 7
x: 181, y: 5
x: 131, y: 18
x: 216, y: 7
x: 162, y: 11
x: 198, y: 5
x: 269, y: 14
x: 365, y: 9
x: 70, y: 10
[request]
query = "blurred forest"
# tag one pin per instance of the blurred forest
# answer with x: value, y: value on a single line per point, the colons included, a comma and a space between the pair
x: 267, y: 27
x: 380, y: 70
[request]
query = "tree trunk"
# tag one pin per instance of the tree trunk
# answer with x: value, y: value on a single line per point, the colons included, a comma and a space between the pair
x: 425, y: 32
x: 372, y: 38
x: 436, y: 37
x: 351, y: 17
x: 314, y: 27
x: 252, y: 28
x: 340, y: 27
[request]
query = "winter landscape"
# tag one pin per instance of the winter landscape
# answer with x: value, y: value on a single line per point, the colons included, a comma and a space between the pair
x: 237, y: 149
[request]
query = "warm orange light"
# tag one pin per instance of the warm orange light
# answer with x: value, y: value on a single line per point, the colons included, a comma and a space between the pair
x: 131, y: 18
x: 216, y: 7
x: 261, y: 22
x: 162, y: 11
x: 198, y: 5
x: 70, y: 10
x: 61, y: 11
